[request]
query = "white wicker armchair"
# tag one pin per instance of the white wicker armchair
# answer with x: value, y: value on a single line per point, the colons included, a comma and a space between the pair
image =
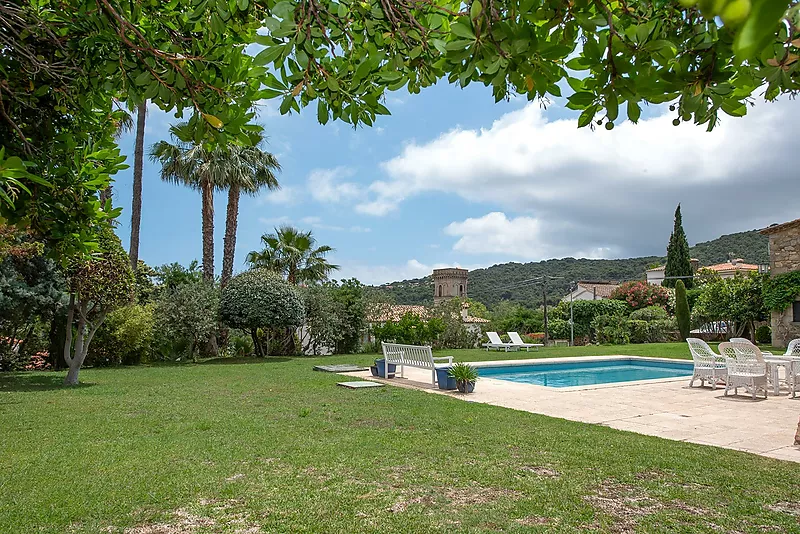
x: 793, y: 352
x: 746, y: 367
x: 707, y: 364
x: 793, y: 349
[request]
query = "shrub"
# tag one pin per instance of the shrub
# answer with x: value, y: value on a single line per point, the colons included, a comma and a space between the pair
x: 682, y: 310
x: 187, y: 319
x: 558, y: 329
x: 454, y: 334
x: 409, y: 330
x: 240, y: 346
x: 640, y: 294
x: 583, y: 313
x: 650, y: 313
x: 764, y: 334
x: 611, y: 329
x: 126, y: 337
x: 260, y: 300
x: 323, y: 327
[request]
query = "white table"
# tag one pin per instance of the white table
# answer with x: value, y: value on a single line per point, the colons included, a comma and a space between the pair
x: 790, y: 363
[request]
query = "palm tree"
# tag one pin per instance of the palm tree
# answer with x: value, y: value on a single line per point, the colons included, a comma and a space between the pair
x: 293, y: 254
x: 198, y: 167
x: 136, y: 204
x: 249, y: 169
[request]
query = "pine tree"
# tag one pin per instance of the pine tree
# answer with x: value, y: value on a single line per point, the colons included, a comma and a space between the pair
x: 682, y: 309
x: 678, y: 260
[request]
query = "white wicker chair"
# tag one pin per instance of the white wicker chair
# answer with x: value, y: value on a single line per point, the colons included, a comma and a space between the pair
x: 746, y: 367
x: 707, y: 364
x: 793, y: 351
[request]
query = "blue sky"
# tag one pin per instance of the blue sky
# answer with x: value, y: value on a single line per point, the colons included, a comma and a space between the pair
x: 451, y: 178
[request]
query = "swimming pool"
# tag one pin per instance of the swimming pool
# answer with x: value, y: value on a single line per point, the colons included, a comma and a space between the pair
x: 587, y: 373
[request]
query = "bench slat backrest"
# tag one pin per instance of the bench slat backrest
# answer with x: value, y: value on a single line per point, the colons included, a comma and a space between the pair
x: 413, y: 355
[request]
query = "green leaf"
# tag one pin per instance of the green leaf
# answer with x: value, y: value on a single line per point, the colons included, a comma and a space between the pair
x: 612, y: 107
x: 286, y: 105
x: 634, y: 111
x: 586, y: 117
x: 322, y: 112
x: 268, y: 55
x: 582, y: 98
x: 461, y: 29
x: 759, y: 28
x: 734, y: 108
x: 333, y: 84
x: 578, y: 63
x: 143, y: 78
x: 475, y: 10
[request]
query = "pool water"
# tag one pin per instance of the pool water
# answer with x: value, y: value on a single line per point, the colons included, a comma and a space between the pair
x: 561, y: 375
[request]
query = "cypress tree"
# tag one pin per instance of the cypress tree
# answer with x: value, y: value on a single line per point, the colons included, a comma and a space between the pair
x: 682, y: 309
x: 678, y: 260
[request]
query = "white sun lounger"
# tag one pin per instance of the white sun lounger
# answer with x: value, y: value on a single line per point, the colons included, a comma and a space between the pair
x: 496, y: 343
x: 517, y: 341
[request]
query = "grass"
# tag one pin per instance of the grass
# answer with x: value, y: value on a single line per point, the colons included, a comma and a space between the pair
x: 243, y: 444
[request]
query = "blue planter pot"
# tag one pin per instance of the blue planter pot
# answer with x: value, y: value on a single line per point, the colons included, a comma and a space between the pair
x: 381, y: 365
x: 444, y: 379
x: 466, y: 387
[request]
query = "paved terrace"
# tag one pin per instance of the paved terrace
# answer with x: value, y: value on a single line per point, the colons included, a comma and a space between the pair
x: 667, y: 408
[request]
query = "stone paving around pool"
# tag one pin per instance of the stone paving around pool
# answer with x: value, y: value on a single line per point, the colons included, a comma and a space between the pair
x: 667, y: 408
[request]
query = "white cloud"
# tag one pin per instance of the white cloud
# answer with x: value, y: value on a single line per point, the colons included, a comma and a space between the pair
x: 285, y: 196
x: 325, y: 185
x: 520, y: 237
x: 604, y: 192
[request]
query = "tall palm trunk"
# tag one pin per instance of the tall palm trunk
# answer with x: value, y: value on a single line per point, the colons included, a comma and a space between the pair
x: 229, y: 244
x: 136, y: 205
x: 208, y: 230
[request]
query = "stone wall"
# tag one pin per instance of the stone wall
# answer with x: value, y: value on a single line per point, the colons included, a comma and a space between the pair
x: 783, y: 329
x: 784, y: 250
x: 784, y: 257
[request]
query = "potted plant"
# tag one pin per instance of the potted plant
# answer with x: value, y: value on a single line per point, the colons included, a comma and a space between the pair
x: 465, y: 376
x: 380, y: 367
x: 444, y: 379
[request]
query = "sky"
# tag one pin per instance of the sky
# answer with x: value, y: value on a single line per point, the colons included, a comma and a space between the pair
x: 453, y: 179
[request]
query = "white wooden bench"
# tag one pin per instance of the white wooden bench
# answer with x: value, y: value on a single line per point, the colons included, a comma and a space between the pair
x: 413, y: 356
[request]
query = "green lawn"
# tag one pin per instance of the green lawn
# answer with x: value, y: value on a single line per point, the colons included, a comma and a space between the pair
x: 234, y: 445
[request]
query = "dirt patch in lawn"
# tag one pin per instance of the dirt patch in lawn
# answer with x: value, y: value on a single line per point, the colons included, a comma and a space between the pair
x: 535, y: 520
x: 455, y: 498
x: 217, y: 516
x: 628, y: 504
x: 791, y: 508
x: 541, y: 471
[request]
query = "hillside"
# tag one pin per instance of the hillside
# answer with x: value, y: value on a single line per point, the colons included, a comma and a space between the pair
x: 496, y: 283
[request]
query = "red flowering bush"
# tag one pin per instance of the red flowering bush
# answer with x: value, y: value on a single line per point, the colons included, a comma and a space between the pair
x: 38, y: 362
x: 640, y: 294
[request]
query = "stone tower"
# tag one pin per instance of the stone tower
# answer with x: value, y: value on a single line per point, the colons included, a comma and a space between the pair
x: 449, y: 283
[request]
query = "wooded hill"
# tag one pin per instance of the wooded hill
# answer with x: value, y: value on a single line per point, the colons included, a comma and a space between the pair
x: 500, y: 282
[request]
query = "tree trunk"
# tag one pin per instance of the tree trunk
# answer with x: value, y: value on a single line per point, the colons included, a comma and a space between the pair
x: 136, y: 204
x: 75, y: 355
x: 229, y: 243
x: 208, y: 231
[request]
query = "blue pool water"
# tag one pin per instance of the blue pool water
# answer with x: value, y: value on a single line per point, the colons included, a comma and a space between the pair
x: 561, y: 375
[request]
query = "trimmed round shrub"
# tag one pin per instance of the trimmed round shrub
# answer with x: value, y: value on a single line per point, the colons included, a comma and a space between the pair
x: 763, y: 334
x: 261, y: 300
x: 651, y: 313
